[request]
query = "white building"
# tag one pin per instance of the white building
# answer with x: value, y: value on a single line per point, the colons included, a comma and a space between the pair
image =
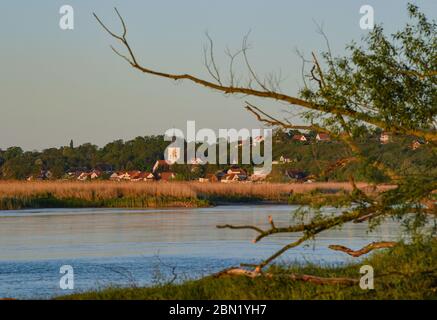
x: 173, y: 154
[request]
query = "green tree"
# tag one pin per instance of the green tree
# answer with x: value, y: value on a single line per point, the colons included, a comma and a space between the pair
x: 389, y: 83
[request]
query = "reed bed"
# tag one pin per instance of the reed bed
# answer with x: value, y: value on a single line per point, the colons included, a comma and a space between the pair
x: 20, y: 194
x: 111, y: 189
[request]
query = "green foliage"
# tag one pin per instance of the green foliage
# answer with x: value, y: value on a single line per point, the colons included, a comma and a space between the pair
x: 388, y: 79
x: 138, y: 154
x: 389, y: 82
x: 314, y: 158
x: 188, y: 172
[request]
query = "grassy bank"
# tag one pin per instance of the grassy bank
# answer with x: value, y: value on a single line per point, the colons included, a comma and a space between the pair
x: 62, y: 194
x: 404, y: 272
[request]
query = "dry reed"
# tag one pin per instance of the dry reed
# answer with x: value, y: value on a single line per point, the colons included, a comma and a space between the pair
x: 102, y: 190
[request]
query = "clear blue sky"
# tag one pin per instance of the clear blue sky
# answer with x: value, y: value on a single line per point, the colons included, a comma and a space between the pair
x: 59, y: 85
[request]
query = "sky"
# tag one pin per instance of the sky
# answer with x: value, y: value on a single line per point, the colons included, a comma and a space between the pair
x: 57, y: 85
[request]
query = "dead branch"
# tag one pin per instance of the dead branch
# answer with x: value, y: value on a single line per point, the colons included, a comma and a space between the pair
x: 239, y: 272
x: 292, y: 277
x: 364, y: 218
x: 364, y: 250
x: 271, y: 121
x: 232, y: 56
x: 311, y: 227
x: 210, y: 64
x: 309, y: 230
x: 245, y: 47
x: 263, y: 93
x: 302, y: 71
x: 340, y: 163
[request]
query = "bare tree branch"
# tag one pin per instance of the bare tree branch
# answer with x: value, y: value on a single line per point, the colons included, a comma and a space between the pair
x: 292, y: 277
x: 364, y: 250
x: 265, y: 92
x: 270, y: 120
x: 210, y: 65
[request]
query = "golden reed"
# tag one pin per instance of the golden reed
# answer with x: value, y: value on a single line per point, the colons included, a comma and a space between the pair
x: 110, y: 189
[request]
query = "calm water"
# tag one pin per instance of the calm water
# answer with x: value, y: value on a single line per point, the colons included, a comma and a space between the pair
x: 124, y: 247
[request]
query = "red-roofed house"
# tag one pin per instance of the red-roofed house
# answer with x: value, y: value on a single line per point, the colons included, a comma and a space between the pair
x: 132, y: 175
x: 416, y: 144
x: 300, y: 137
x: 234, y: 174
x: 144, y: 176
x: 323, y: 137
x: 83, y: 176
x: 162, y: 165
x: 233, y: 177
x: 236, y: 170
x: 117, y: 176
x: 95, y: 174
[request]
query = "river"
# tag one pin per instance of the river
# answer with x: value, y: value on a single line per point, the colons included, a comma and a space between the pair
x: 121, y: 247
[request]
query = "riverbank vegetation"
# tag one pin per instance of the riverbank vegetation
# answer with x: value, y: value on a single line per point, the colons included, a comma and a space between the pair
x: 76, y: 194
x: 402, y: 272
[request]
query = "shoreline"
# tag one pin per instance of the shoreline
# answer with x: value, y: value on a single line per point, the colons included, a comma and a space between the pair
x: 7, y: 204
x: 288, y: 281
x: 15, y: 195
x: 53, y: 203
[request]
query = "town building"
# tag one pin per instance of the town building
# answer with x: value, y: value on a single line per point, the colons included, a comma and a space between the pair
x: 323, y: 137
x: 300, y: 137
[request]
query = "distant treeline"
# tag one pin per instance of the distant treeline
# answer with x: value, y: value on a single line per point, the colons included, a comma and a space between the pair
x: 142, y: 152
x: 137, y: 154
